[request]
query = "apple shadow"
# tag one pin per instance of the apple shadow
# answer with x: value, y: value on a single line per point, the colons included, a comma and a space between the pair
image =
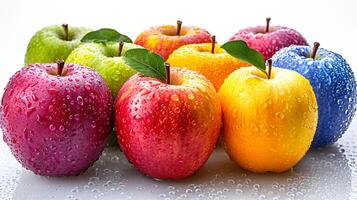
x: 322, y: 174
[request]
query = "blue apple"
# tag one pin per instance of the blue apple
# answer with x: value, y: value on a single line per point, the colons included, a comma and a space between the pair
x: 334, y: 85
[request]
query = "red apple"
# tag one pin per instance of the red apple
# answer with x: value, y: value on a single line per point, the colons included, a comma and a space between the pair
x: 269, y: 39
x: 168, y: 131
x: 164, y: 39
x: 56, y: 122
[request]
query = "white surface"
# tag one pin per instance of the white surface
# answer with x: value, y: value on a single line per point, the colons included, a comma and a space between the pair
x: 329, y: 173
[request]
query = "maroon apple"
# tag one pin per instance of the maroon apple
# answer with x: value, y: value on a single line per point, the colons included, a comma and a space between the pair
x: 269, y: 39
x: 56, y: 118
x: 167, y: 129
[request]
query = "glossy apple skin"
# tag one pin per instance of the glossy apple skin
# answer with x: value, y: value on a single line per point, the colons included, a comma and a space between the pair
x: 168, y: 131
x: 214, y: 66
x: 268, y: 124
x: 163, y: 39
x: 269, y: 43
x: 48, y: 44
x: 56, y: 125
x: 334, y: 84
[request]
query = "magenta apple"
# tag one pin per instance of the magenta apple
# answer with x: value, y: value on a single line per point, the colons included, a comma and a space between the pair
x: 56, y: 122
x: 168, y: 131
x: 269, y: 39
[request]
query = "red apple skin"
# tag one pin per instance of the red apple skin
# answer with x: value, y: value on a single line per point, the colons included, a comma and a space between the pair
x: 163, y: 39
x: 269, y: 43
x: 168, y: 131
x: 56, y: 125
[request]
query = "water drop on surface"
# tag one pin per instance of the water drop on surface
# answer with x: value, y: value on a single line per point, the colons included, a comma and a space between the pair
x: 279, y: 115
x: 174, y: 97
x: 52, y: 91
x: 52, y: 127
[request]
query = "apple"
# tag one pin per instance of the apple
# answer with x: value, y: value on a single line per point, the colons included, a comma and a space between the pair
x: 167, y: 128
x: 208, y: 59
x: 269, y: 118
x: 164, y: 39
x: 53, y: 43
x: 333, y: 82
x: 106, y: 59
x: 56, y: 118
x: 269, y: 39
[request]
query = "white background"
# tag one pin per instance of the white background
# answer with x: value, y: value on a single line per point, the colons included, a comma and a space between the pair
x: 332, y: 23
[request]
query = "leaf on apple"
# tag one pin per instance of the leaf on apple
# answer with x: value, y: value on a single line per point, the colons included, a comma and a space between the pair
x: 146, y: 62
x: 239, y: 49
x: 105, y: 35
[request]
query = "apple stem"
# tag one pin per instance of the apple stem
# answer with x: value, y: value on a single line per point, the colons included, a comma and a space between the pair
x: 60, y: 65
x: 167, y: 65
x: 213, y: 43
x: 267, y: 24
x: 270, y: 63
x: 65, y: 28
x: 179, y: 24
x: 314, y: 50
x: 121, y: 45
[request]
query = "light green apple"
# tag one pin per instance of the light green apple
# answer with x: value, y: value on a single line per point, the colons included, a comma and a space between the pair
x: 105, y: 59
x: 53, y: 43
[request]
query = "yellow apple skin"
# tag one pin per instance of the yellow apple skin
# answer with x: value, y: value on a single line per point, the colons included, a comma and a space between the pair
x: 214, y: 66
x: 268, y: 124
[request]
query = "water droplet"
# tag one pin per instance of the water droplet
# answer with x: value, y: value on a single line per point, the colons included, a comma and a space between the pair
x: 191, y: 96
x: 281, y: 92
x: 174, y: 97
x: 52, y: 127
x: 279, y: 115
x: 50, y: 108
x: 61, y: 128
x: 76, y: 117
x: 87, y: 86
x: 80, y: 100
x: 52, y: 91
x: 339, y: 101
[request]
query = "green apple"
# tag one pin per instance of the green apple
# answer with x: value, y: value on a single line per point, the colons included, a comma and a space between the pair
x: 105, y: 59
x: 53, y: 43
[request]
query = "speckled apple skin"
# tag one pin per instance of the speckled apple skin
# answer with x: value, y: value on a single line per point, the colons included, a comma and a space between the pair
x: 269, y: 43
x: 334, y: 84
x: 56, y: 126
x: 168, y: 131
x: 163, y: 39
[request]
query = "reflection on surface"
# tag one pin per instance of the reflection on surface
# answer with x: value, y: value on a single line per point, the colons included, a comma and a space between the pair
x: 323, y: 173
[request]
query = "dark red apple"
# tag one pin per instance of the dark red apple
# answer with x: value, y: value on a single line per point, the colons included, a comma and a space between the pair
x: 168, y: 131
x: 56, y: 122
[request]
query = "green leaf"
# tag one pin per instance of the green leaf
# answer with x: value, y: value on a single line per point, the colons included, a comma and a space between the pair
x: 146, y: 62
x: 240, y: 49
x: 105, y: 35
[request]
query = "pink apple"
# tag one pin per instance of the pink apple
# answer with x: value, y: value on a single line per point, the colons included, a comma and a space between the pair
x: 269, y: 39
x: 56, y: 122
x: 168, y: 131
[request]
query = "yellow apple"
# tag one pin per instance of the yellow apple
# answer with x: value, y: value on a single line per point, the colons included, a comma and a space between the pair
x: 268, y: 124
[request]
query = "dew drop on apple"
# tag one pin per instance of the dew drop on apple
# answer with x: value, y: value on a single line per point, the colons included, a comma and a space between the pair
x: 339, y: 101
x: 281, y: 92
x: 253, y: 127
x: 61, y: 128
x: 174, y: 97
x: 52, y: 91
x: 50, y: 108
x: 190, y: 96
x: 80, y: 100
x: 76, y: 117
x: 279, y: 115
x: 52, y: 127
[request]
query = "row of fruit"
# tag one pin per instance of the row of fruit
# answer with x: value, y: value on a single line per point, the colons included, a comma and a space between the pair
x: 269, y: 94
